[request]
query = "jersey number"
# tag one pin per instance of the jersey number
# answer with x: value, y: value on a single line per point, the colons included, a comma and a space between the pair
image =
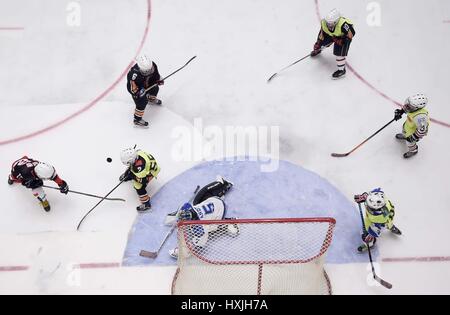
x: 209, y: 208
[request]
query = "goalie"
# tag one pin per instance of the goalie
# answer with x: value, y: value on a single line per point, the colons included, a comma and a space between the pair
x: 380, y: 214
x: 207, y: 204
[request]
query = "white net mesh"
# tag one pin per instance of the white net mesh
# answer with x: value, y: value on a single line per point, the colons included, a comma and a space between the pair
x: 270, y: 256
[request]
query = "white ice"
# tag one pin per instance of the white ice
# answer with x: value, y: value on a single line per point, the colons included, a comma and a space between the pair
x: 50, y: 70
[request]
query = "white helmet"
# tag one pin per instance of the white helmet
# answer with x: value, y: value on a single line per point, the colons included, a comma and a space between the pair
x: 332, y: 19
x: 375, y: 199
x: 128, y: 156
x: 415, y: 102
x: 145, y: 64
x: 44, y: 171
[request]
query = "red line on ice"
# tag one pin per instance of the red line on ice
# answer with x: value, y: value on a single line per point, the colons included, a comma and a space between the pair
x: 94, y: 101
x: 109, y: 265
x: 373, y: 88
x: 6, y: 28
x: 13, y: 268
x: 418, y: 259
x: 97, y: 266
x: 106, y: 265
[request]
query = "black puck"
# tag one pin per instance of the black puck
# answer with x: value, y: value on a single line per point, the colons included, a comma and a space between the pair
x: 109, y: 160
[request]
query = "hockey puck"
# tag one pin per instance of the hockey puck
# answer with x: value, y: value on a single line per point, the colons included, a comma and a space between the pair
x: 109, y: 160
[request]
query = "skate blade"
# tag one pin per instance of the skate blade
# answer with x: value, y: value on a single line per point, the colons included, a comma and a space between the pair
x: 342, y: 76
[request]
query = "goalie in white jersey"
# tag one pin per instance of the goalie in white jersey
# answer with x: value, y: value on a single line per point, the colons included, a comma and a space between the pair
x: 207, y: 204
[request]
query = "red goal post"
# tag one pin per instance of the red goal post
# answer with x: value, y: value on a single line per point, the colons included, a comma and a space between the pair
x: 253, y: 256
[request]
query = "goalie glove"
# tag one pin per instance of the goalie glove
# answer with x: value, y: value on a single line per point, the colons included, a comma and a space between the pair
x: 367, y: 238
x: 361, y: 198
x: 171, y: 218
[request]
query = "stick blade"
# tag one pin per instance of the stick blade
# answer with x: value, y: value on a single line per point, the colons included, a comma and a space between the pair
x: 339, y: 154
x: 271, y: 77
x: 116, y: 199
x: 147, y: 254
x: 385, y: 284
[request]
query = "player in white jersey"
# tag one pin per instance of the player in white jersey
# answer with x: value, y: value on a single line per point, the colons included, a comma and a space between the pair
x: 207, y: 204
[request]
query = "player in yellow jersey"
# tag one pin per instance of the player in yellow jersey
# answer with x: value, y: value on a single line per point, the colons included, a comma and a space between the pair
x: 380, y: 214
x: 142, y: 168
x: 416, y: 124
x: 338, y: 30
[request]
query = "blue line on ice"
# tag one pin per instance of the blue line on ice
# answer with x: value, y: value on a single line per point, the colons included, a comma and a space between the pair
x: 291, y: 191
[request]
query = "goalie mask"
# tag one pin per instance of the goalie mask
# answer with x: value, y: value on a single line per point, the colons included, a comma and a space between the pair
x: 375, y: 199
x: 185, y: 212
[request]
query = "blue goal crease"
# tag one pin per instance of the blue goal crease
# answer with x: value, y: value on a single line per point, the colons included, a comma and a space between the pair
x: 290, y: 191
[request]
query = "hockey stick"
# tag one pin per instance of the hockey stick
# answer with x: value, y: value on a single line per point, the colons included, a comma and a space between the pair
x: 103, y: 198
x: 148, y: 89
x: 359, y: 145
x: 85, y: 194
x: 148, y: 254
x: 385, y: 284
x: 295, y: 62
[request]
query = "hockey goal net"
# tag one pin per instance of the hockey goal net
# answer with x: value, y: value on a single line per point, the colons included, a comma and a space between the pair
x: 260, y: 256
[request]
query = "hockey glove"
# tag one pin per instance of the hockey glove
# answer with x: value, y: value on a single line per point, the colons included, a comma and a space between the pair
x: 64, y: 188
x: 127, y: 176
x: 398, y: 114
x: 317, y: 49
x: 160, y: 82
x: 339, y: 41
x: 142, y: 93
x: 10, y: 181
x: 361, y: 198
x: 367, y: 238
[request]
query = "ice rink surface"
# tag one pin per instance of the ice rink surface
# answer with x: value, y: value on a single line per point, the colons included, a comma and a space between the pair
x: 63, y: 100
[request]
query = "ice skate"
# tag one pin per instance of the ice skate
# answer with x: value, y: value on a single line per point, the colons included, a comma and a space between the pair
x: 339, y: 74
x: 411, y: 153
x: 395, y: 230
x: 144, y: 207
x: 400, y: 136
x: 155, y: 101
x: 140, y: 123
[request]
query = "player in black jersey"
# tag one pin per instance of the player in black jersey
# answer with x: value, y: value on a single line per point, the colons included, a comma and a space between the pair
x: 31, y: 174
x: 143, y: 75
